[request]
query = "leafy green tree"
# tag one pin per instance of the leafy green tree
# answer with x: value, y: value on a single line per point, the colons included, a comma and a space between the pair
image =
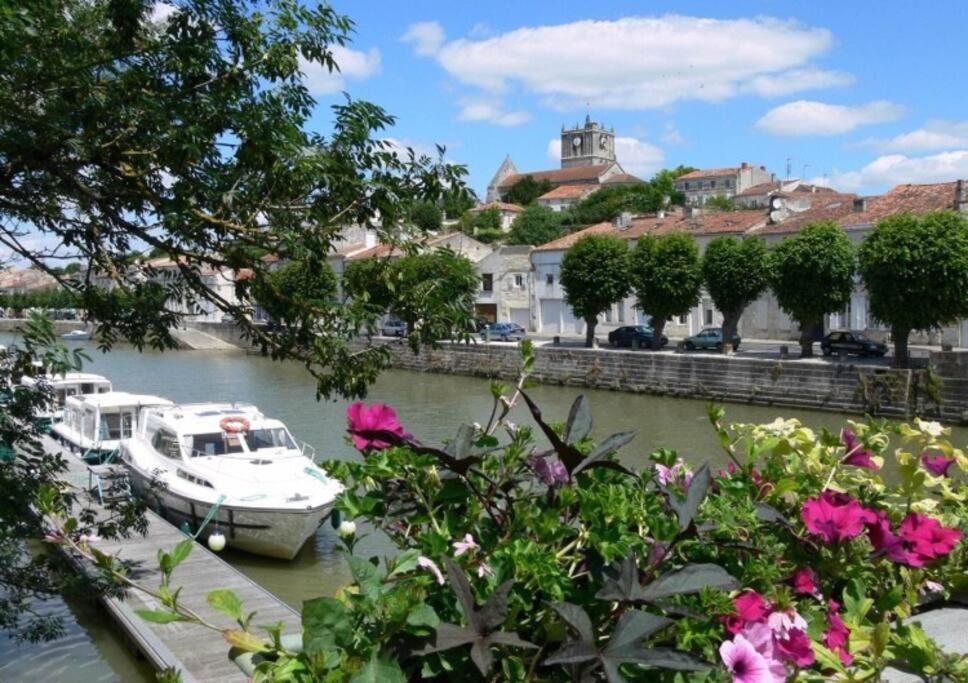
x: 721, y: 203
x: 812, y: 274
x: 594, y: 275
x: 311, y: 286
x: 438, y: 288
x: 536, y: 225
x: 915, y: 269
x: 736, y: 272
x: 484, y: 225
x: 457, y: 201
x: 664, y: 182
x: 666, y: 275
x: 526, y: 191
x: 427, y: 216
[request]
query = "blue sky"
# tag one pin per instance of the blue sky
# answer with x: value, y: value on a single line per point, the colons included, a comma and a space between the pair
x: 861, y: 95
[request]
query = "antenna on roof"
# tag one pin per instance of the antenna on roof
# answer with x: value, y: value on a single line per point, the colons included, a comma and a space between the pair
x: 788, y: 168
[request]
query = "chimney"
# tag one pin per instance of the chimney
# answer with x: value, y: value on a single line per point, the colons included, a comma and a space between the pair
x: 693, y: 212
x: 744, y: 165
x: 860, y: 205
x: 623, y: 221
x: 961, y: 196
x: 660, y: 213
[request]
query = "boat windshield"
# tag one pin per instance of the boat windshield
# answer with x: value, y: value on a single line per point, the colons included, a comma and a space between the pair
x: 217, y: 443
x: 227, y: 443
x: 269, y: 437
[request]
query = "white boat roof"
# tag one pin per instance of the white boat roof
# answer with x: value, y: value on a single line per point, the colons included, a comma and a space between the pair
x: 71, y: 377
x: 114, y: 399
x: 205, y: 417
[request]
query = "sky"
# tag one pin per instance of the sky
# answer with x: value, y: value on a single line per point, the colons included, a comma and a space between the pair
x: 857, y: 95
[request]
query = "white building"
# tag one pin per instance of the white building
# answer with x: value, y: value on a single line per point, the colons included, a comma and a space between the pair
x: 507, y: 212
x: 505, y: 294
x: 699, y: 186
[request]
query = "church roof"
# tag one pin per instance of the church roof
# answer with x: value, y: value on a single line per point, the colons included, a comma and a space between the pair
x: 622, y: 179
x: 567, y: 192
x: 501, y: 206
x: 563, y: 176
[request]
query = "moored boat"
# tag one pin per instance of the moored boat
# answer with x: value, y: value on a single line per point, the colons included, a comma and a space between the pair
x: 78, y: 335
x: 232, y: 464
x: 63, y: 386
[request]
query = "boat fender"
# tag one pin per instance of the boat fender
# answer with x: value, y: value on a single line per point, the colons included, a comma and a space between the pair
x: 334, y: 518
x: 216, y: 541
x: 233, y: 424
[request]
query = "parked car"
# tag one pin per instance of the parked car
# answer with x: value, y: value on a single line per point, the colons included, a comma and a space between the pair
x: 634, y: 335
x: 709, y: 338
x: 394, y: 328
x: 504, y: 331
x: 854, y: 343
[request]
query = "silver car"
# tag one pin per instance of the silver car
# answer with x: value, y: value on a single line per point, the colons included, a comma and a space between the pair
x: 505, y: 332
x: 394, y: 328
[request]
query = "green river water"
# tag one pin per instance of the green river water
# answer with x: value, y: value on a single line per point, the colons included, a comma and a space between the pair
x: 430, y: 406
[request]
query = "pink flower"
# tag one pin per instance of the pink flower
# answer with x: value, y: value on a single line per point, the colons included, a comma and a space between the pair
x: 366, y: 423
x: 673, y: 475
x: 927, y: 537
x: 427, y: 563
x: 835, y: 516
x: 838, y: 633
x: 857, y: 455
x: 750, y: 608
x: 461, y: 547
x: 785, y: 621
x: 938, y: 465
x: 54, y: 537
x: 90, y: 538
x: 745, y: 664
x: 796, y: 647
x: 806, y: 581
x: 484, y: 569
x: 550, y: 470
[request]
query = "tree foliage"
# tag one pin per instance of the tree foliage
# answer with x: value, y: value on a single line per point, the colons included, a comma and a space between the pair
x: 295, y: 289
x: 188, y: 136
x: 458, y: 200
x: 484, y: 225
x: 812, y: 274
x: 527, y: 190
x: 537, y: 225
x: 915, y: 269
x: 666, y: 275
x: 721, y: 203
x: 594, y: 275
x: 427, y: 216
x: 736, y: 272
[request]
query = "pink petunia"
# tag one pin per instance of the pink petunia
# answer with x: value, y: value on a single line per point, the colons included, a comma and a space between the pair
x: 796, y: 647
x: 835, y: 516
x: 430, y: 565
x: 750, y: 607
x: 367, y: 422
x: 744, y: 663
x: 484, y: 569
x: 805, y: 581
x: 837, y: 634
x: 927, y: 536
x: 857, y: 455
x: 938, y: 464
x: 782, y: 622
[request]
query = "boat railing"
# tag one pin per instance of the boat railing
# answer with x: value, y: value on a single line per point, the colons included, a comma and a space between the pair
x: 308, y: 450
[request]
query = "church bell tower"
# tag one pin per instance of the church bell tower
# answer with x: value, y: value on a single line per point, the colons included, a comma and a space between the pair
x: 588, y: 145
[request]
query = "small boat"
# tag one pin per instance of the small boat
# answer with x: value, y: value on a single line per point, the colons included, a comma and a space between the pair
x: 78, y: 335
x: 229, y: 463
x: 94, y: 424
x: 65, y: 385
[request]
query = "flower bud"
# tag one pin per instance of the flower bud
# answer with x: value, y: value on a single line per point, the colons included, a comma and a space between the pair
x: 347, y: 529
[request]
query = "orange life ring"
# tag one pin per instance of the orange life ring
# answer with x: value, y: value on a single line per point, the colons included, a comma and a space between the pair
x: 234, y: 424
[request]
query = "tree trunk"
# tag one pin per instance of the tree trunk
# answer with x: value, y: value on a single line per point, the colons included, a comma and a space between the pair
x: 730, y: 322
x: 807, y: 330
x: 657, y: 327
x: 901, y: 357
x: 590, y: 324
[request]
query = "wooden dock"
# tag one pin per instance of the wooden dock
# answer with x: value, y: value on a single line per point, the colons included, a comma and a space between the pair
x: 199, y: 653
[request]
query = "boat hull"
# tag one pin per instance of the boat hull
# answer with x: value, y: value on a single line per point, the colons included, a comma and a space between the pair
x: 270, y: 532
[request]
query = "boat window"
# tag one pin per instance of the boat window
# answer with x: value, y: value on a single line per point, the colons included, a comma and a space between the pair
x: 87, y: 388
x: 273, y: 437
x: 218, y: 443
x: 166, y: 443
x: 103, y: 390
x: 88, y: 425
x: 116, y: 426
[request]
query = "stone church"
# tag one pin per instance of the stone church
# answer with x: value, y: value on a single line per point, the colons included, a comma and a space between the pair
x: 587, y: 162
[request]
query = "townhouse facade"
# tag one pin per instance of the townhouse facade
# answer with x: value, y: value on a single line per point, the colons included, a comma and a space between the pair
x: 700, y: 186
x: 506, y: 283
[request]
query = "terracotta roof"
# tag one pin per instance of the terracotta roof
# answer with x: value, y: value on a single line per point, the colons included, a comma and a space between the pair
x: 709, y: 173
x: 757, y: 190
x: 561, y: 176
x: 568, y: 241
x: 828, y: 206
x: 622, y: 179
x: 378, y: 251
x: 26, y: 279
x: 567, y: 192
x: 905, y: 198
x: 502, y: 206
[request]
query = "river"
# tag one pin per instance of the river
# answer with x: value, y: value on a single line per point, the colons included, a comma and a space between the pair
x: 430, y: 406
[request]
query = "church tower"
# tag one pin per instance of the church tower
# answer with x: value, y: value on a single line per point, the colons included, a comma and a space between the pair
x: 589, y: 145
x: 493, y: 188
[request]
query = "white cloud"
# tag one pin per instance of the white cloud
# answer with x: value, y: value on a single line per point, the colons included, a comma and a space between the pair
x: 426, y: 36
x: 796, y: 80
x: 491, y: 111
x: 805, y: 117
x: 636, y: 156
x: 895, y: 169
x: 353, y: 65
x: 643, y: 62
x: 160, y: 13
x: 934, y: 135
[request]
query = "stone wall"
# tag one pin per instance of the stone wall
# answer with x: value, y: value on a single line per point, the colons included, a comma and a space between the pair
x: 14, y: 325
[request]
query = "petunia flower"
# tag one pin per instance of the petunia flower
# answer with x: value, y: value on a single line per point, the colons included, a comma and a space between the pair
x: 857, y: 455
x: 461, y: 547
x: 744, y: 663
x: 837, y: 634
x: 550, y: 470
x: 835, y: 516
x: 782, y: 622
x: 673, y: 475
x: 427, y: 563
x: 927, y: 537
x: 796, y: 647
x: 750, y: 608
x: 806, y: 582
x: 938, y: 465
x: 367, y: 421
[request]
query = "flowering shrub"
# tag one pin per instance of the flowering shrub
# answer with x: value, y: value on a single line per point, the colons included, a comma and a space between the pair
x: 806, y: 558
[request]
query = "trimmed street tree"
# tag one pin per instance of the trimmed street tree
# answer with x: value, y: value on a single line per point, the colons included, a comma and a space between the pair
x: 736, y: 271
x: 295, y: 288
x: 915, y: 269
x: 536, y: 225
x: 666, y: 275
x: 594, y: 275
x: 812, y: 274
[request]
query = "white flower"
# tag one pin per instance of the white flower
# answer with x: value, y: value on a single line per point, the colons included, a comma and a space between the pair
x: 347, y: 529
x: 484, y: 569
x: 932, y: 429
x: 427, y: 563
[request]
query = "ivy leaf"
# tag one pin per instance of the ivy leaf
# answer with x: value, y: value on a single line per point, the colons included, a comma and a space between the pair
x: 460, y: 447
x: 597, y: 458
x: 481, y: 632
x: 579, y: 423
x: 570, y: 456
x: 624, y: 586
x: 458, y: 465
x: 687, y: 508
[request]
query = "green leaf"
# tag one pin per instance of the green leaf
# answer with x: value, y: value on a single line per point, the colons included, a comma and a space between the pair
x: 226, y: 602
x: 380, y: 671
x: 181, y: 552
x: 366, y: 575
x: 326, y: 625
x: 160, y: 616
x: 423, y: 615
x: 404, y: 562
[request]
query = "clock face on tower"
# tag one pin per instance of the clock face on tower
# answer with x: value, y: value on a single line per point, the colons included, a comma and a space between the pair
x: 576, y: 142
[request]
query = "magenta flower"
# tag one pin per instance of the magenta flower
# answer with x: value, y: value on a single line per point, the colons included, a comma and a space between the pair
x: 751, y: 608
x: 461, y: 547
x: 806, y: 581
x: 782, y: 622
x: 796, y: 647
x: 835, y: 516
x: 927, y: 537
x: 857, y: 455
x: 673, y: 475
x: 430, y: 565
x: 938, y: 465
x: 367, y: 422
x: 550, y: 470
x: 837, y: 634
x: 745, y: 664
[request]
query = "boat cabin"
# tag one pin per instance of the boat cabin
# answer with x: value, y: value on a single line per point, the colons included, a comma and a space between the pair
x: 101, y: 420
x: 71, y: 384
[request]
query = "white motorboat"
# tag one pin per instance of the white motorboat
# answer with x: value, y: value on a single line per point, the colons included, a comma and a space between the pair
x: 268, y: 494
x: 65, y: 385
x: 94, y: 424
x: 78, y: 335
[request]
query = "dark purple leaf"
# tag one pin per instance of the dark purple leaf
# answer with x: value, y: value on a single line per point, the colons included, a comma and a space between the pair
x: 687, y: 508
x: 633, y: 627
x: 690, y: 579
x: 579, y: 423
